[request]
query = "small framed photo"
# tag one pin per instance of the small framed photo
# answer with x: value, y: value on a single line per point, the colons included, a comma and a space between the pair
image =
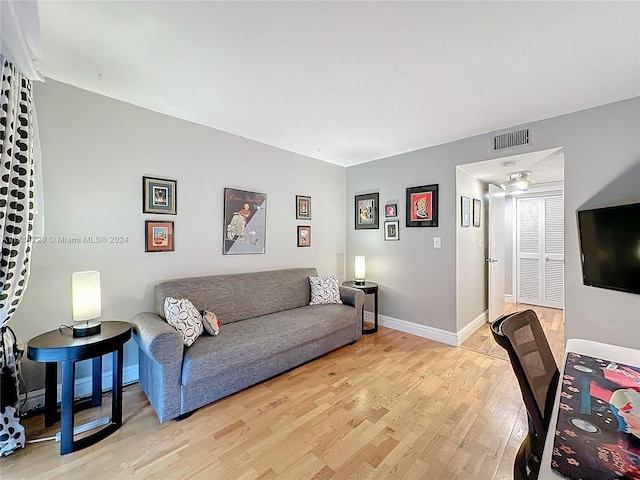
x: 159, y: 195
x: 304, y: 235
x: 422, y: 206
x: 392, y: 230
x: 391, y: 210
x: 477, y: 211
x: 466, y: 211
x: 367, y: 211
x: 158, y: 236
x: 303, y: 207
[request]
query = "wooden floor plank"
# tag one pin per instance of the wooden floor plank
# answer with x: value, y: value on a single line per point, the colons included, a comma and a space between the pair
x: 391, y: 406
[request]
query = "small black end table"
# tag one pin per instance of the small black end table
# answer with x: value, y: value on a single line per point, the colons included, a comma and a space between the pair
x: 368, y: 288
x: 60, y: 346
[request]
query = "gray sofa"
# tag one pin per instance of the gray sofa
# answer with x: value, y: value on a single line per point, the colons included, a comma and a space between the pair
x: 267, y: 327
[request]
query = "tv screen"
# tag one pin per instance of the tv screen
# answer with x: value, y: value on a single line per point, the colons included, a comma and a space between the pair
x: 610, y: 244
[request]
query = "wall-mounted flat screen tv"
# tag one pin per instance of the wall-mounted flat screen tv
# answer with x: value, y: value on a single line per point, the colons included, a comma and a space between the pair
x: 610, y: 244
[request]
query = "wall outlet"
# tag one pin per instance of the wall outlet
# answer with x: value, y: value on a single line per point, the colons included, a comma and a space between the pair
x: 437, y: 241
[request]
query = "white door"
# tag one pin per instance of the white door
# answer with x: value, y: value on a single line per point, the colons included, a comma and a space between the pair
x: 495, y: 261
x: 540, y: 251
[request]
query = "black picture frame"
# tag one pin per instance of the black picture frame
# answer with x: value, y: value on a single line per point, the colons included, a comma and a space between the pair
x: 366, y: 211
x: 392, y: 230
x: 159, y: 195
x: 303, y: 207
x: 465, y: 211
x: 391, y: 210
x: 304, y: 235
x: 422, y: 206
x: 477, y: 212
x: 159, y: 236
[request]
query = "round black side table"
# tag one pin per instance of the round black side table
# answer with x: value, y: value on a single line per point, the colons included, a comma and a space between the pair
x: 60, y: 346
x: 368, y: 288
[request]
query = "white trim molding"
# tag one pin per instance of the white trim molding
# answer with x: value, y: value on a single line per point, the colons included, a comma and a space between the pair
x: 424, y: 331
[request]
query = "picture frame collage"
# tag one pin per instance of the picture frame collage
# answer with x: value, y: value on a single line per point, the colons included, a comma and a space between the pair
x: 159, y: 196
x: 421, y: 211
x: 470, y: 215
x: 303, y: 212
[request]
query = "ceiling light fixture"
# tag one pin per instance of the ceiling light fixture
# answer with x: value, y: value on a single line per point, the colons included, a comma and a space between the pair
x: 517, y: 182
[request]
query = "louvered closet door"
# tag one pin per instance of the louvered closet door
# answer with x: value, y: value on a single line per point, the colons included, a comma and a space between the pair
x: 554, y: 252
x: 540, y: 251
x: 529, y: 248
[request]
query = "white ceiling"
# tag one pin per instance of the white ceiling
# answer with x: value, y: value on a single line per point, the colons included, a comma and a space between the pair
x: 348, y: 82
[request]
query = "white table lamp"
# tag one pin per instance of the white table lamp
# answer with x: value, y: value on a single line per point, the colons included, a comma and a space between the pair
x: 86, y: 302
x: 359, y: 270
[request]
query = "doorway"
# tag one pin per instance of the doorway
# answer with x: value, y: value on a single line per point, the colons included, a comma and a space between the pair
x: 545, y: 170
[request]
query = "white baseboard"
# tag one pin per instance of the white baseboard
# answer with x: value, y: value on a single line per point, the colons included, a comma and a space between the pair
x: 439, y: 335
x: 471, y: 328
x: 509, y: 298
x: 82, y: 388
x: 423, y: 331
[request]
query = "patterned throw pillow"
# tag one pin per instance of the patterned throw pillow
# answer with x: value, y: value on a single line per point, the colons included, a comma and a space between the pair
x: 184, y: 317
x: 324, y: 290
x: 211, y: 322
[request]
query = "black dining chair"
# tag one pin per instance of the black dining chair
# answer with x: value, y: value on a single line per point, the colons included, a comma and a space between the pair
x: 521, y: 335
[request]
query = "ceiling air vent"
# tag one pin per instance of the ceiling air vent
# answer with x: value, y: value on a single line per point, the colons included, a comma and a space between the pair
x: 511, y: 139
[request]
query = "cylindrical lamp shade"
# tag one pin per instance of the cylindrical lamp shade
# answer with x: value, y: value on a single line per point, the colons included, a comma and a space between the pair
x: 359, y: 270
x: 85, y: 294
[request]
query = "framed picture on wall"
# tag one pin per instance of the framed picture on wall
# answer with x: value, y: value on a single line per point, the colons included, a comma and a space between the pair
x: 392, y: 230
x: 158, y: 236
x: 422, y: 206
x: 245, y: 222
x: 477, y: 210
x: 303, y: 207
x: 391, y: 210
x: 466, y: 211
x: 304, y: 235
x: 367, y: 211
x: 159, y: 195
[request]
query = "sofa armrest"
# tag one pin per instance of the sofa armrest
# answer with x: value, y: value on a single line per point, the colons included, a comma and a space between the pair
x: 157, y: 339
x: 353, y: 297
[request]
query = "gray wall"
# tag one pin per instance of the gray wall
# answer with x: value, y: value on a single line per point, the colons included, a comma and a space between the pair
x: 472, y: 248
x: 96, y: 150
x: 418, y: 282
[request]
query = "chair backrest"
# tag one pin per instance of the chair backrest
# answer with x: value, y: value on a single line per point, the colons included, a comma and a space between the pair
x: 521, y: 335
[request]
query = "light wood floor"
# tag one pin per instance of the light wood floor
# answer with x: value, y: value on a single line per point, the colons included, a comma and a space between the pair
x: 391, y: 406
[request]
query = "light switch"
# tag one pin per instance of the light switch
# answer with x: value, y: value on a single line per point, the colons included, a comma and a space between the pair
x: 437, y: 241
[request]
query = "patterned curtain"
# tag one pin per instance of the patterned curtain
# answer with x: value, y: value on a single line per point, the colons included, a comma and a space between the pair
x: 16, y: 225
x: 16, y: 187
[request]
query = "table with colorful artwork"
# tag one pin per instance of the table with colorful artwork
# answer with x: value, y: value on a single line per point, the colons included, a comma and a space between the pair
x: 594, y: 431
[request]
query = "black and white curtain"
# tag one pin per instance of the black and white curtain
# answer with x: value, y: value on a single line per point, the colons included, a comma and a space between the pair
x: 16, y: 227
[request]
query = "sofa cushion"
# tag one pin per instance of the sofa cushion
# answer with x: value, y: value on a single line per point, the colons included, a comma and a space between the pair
x: 240, y: 296
x: 210, y: 322
x: 324, y: 290
x: 184, y: 317
x: 259, y: 338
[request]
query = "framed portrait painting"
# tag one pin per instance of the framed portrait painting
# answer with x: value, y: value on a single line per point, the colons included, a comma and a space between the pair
x: 304, y: 235
x: 159, y: 195
x: 303, y: 207
x: 245, y: 222
x: 422, y: 206
x: 158, y: 236
x: 367, y: 211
